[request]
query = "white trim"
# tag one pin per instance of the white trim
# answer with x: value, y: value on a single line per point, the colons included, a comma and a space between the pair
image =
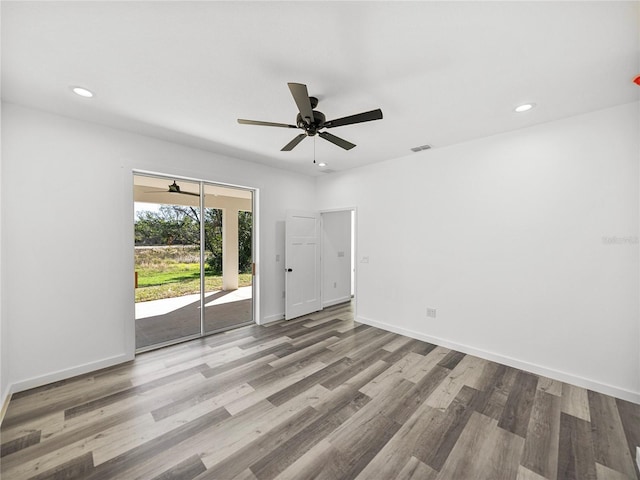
x: 336, y: 301
x: 130, y: 319
x: 255, y: 252
x: 69, y: 373
x: 149, y: 173
x: 5, y: 402
x: 272, y: 318
x: 343, y: 209
x: 511, y: 362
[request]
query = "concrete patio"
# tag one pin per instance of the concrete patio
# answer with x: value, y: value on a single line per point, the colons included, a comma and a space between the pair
x: 160, y: 321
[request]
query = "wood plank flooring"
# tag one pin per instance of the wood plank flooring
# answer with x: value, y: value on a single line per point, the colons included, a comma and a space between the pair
x: 319, y: 397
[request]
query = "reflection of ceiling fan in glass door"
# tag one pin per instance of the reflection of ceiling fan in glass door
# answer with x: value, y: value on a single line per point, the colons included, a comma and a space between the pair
x: 175, y: 188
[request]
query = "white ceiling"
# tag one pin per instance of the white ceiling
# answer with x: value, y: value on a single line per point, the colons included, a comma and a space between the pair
x: 442, y: 72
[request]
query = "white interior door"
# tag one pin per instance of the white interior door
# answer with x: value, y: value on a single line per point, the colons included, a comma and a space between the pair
x: 302, y: 264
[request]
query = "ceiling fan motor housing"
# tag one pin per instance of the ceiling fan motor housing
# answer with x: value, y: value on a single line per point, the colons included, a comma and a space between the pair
x: 313, y: 127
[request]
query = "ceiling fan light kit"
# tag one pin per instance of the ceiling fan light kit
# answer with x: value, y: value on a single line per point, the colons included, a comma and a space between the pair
x: 312, y: 121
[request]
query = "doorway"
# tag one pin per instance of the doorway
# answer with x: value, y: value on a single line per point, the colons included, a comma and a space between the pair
x: 194, y: 244
x: 338, y: 255
x: 319, y: 260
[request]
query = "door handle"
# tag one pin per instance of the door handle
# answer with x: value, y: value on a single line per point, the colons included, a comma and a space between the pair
x: 289, y: 269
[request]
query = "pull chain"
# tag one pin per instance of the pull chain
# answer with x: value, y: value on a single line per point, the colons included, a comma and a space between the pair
x: 314, y: 149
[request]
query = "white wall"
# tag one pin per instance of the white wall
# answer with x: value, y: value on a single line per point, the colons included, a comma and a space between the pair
x: 67, y: 245
x: 336, y: 257
x: 503, y: 236
x: 4, y: 346
x: 525, y: 243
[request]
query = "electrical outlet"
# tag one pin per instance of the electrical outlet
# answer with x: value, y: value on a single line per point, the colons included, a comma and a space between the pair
x: 364, y: 260
x: 431, y: 312
x: 277, y: 258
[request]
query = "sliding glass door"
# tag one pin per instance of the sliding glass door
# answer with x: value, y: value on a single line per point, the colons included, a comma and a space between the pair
x: 228, y: 248
x: 193, y: 259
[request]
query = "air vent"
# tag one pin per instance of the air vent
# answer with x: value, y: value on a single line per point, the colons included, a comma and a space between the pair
x: 420, y: 148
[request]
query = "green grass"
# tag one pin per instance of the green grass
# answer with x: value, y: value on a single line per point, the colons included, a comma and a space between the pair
x: 173, y: 273
x: 167, y: 272
x: 186, y: 286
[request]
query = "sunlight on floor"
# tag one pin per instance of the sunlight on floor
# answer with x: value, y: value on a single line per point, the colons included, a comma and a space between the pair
x: 168, y: 305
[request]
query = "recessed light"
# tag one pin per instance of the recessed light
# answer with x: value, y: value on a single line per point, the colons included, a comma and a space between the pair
x: 83, y: 92
x: 524, y: 107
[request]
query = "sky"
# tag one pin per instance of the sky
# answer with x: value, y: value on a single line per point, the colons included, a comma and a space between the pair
x: 143, y: 206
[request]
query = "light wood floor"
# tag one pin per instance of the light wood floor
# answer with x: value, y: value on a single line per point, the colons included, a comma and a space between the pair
x: 320, y: 397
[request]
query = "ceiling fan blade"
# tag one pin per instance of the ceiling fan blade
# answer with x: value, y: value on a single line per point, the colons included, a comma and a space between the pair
x: 341, y: 142
x: 172, y: 191
x: 357, y: 118
x: 301, y: 97
x: 290, y: 146
x: 265, y: 124
x: 175, y: 188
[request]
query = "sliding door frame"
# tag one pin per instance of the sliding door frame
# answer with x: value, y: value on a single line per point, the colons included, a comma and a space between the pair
x: 255, y: 309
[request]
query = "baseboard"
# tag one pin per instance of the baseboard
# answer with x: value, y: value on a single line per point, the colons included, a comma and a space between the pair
x: 272, y: 318
x: 336, y: 301
x: 69, y: 372
x: 511, y: 362
x: 5, y: 403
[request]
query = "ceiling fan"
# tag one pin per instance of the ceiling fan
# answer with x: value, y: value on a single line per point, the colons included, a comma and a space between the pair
x: 312, y: 121
x: 175, y: 188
